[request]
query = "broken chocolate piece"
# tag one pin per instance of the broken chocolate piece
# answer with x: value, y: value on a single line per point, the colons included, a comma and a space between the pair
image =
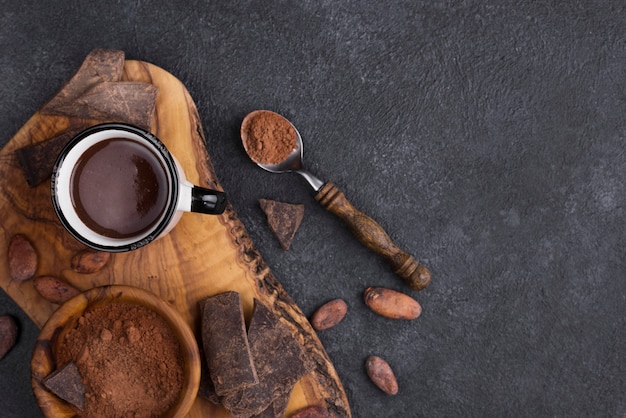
x: 66, y: 383
x: 37, y: 160
x: 283, y: 219
x: 225, y: 344
x: 127, y: 101
x: 206, y: 388
x: 100, y: 65
x: 279, y: 359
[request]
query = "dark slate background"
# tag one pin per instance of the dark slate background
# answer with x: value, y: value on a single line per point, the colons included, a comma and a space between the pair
x: 487, y: 137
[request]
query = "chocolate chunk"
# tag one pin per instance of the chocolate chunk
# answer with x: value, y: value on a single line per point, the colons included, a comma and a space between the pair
x: 37, y: 160
x: 128, y: 101
x: 283, y: 219
x: 206, y: 388
x: 279, y: 359
x: 225, y: 344
x: 8, y: 334
x: 101, y: 65
x: 66, y: 384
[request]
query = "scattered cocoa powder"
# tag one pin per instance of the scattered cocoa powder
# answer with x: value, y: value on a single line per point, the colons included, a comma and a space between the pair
x: 268, y: 138
x: 129, y: 358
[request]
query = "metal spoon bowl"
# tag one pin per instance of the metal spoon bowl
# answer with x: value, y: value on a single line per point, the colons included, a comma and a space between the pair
x: 293, y: 162
x: 368, y: 231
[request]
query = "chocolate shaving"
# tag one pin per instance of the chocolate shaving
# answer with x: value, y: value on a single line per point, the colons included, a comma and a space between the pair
x: 66, y: 384
x: 101, y: 65
x: 280, y: 362
x: 37, y: 160
x: 283, y: 219
x: 225, y: 344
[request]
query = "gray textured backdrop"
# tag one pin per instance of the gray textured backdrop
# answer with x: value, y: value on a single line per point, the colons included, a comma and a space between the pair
x: 487, y: 137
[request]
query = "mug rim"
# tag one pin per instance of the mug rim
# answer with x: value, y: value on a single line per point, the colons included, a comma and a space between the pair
x: 170, y: 168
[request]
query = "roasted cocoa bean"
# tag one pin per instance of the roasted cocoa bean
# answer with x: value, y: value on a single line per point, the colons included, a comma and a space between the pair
x: 90, y: 261
x: 22, y: 258
x: 8, y: 334
x: 391, y: 304
x: 54, y: 290
x: 311, y: 412
x: 381, y: 374
x: 329, y: 314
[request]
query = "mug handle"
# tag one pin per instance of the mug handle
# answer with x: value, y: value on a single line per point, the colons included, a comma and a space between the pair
x: 207, y: 201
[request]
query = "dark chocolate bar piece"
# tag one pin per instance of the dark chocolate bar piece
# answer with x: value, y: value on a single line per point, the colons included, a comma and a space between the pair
x: 279, y: 359
x: 226, y: 345
x: 132, y: 102
x: 283, y: 219
x: 206, y: 389
x: 37, y: 160
x: 66, y: 383
x: 100, y: 65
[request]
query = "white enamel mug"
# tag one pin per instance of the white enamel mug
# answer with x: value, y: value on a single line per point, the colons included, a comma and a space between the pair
x: 110, y: 211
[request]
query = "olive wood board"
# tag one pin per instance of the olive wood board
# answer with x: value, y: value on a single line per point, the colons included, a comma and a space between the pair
x: 203, y: 255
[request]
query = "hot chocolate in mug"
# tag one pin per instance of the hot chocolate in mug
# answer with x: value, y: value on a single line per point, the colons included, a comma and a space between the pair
x: 116, y: 187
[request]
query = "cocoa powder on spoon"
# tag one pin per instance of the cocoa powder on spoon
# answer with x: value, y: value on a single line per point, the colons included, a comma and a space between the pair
x: 269, y: 138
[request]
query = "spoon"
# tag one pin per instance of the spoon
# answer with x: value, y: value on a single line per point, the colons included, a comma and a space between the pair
x: 367, y: 231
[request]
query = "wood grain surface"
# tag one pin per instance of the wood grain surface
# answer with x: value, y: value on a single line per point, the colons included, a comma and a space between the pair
x: 203, y: 255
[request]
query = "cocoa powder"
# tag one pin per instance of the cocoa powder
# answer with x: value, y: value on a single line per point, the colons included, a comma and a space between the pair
x: 129, y: 358
x: 269, y: 138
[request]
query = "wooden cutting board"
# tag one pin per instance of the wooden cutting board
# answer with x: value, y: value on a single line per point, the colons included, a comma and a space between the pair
x: 203, y: 255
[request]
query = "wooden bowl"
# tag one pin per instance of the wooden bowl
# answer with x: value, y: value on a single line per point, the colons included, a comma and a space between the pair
x: 65, y: 318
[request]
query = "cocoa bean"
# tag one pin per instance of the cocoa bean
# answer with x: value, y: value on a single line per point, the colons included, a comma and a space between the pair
x: 311, y: 412
x: 90, y: 261
x: 379, y: 371
x: 22, y: 258
x: 54, y: 290
x: 8, y: 334
x: 329, y: 314
x: 391, y: 304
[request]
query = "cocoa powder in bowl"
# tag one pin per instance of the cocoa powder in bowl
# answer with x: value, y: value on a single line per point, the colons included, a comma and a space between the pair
x: 268, y: 137
x: 129, y: 359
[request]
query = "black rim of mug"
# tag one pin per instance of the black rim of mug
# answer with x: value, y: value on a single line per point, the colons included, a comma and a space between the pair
x: 170, y: 166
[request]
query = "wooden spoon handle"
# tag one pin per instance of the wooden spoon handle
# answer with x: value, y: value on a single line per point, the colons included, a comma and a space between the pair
x: 373, y: 236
